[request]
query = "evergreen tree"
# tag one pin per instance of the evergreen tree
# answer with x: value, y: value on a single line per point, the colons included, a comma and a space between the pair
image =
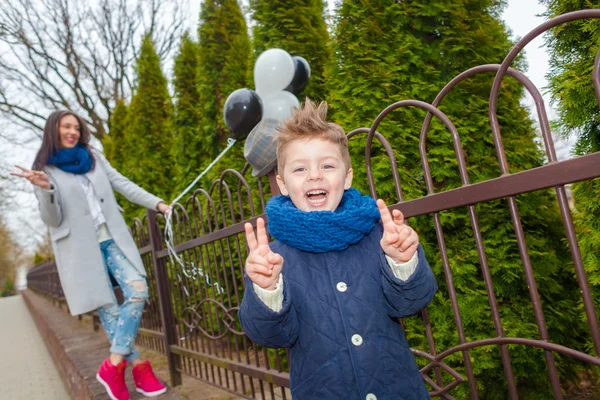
x: 223, y: 60
x: 114, y: 143
x: 223, y: 66
x: 115, y: 146
x: 573, y: 48
x: 148, y: 135
x: 298, y: 27
x: 188, y: 144
x: 388, y: 51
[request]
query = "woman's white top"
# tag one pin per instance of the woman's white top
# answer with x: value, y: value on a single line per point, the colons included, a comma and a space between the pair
x: 96, y: 210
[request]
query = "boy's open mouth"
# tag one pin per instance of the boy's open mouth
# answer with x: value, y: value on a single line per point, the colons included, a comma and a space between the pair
x: 317, y: 197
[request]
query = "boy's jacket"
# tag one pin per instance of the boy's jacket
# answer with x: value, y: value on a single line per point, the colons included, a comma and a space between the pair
x: 339, y: 321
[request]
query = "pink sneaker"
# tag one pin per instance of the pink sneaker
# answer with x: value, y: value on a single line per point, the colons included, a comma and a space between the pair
x: 113, y: 379
x: 146, y: 382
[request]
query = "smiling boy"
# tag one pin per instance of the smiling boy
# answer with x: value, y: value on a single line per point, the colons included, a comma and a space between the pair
x: 341, y: 271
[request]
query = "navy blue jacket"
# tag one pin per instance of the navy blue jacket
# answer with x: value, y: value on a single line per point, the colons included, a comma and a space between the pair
x: 338, y: 319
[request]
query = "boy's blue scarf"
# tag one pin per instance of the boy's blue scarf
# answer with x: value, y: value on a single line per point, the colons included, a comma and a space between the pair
x: 323, y: 231
x: 76, y: 160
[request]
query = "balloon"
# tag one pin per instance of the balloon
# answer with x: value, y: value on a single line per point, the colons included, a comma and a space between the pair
x: 242, y: 111
x: 301, y: 76
x: 273, y: 71
x: 280, y: 105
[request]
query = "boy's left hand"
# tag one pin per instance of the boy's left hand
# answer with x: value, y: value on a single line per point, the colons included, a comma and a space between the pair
x: 399, y: 241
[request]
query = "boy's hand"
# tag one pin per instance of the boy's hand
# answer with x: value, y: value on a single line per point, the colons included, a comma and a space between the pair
x: 399, y: 241
x: 262, y: 265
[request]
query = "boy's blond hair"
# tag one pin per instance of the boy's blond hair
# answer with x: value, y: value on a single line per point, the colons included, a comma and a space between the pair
x: 310, y: 122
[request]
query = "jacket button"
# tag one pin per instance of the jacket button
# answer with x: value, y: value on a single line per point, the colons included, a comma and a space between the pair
x: 342, y: 287
x: 101, y: 200
x: 357, y: 340
x: 371, y: 396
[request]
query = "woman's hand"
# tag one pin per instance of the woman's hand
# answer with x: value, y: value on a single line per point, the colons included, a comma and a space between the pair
x: 37, y: 178
x: 262, y: 265
x: 163, y: 208
x: 399, y: 241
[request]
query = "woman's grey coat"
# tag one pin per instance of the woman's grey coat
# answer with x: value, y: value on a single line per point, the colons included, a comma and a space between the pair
x: 66, y: 212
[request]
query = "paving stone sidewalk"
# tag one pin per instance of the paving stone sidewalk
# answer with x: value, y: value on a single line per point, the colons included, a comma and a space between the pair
x: 27, y: 370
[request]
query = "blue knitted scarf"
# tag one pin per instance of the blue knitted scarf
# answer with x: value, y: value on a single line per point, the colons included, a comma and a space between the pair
x: 76, y: 160
x: 323, y: 231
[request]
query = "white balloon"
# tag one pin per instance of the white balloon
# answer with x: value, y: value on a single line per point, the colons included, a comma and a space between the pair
x: 273, y: 71
x: 280, y: 105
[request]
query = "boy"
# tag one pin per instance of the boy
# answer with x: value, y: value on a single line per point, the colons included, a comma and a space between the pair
x: 346, y: 276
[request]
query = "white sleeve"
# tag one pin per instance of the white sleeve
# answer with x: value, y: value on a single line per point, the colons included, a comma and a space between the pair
x: 403, y: 271
x: 272, y: 298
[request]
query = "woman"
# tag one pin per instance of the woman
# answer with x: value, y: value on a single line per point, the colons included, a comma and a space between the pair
x: 74, y: 186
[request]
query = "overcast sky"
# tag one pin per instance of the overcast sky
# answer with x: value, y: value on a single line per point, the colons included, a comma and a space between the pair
x: 520, y: 15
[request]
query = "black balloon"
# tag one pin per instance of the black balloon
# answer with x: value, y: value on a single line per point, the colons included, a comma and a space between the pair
x: 301, y: 76
x: 242, y: 111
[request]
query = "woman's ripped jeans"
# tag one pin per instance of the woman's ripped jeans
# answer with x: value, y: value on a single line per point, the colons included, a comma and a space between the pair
x: 121, y: 322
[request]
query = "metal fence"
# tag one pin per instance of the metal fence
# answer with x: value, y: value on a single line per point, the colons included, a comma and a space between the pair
x: 44, y: 279
x: 192, y: 316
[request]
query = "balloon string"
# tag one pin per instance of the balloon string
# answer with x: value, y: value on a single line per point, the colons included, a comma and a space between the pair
x: 230, y: 143
x: 194, y: 271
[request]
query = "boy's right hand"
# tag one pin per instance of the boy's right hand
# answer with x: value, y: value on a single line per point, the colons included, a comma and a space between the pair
x: 262, y: 265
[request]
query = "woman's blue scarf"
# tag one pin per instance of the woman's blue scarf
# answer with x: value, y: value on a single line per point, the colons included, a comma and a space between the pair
x: 323, y: 231
x: 76, y: 160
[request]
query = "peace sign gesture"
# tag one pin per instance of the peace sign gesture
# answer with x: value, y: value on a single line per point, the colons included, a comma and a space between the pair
x: 37, y: 178
x: 262, y: 265
x: 399, y: 241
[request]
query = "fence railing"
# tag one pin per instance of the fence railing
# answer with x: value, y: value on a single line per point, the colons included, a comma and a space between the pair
x: 192, y: 316
x: 44, y: 278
